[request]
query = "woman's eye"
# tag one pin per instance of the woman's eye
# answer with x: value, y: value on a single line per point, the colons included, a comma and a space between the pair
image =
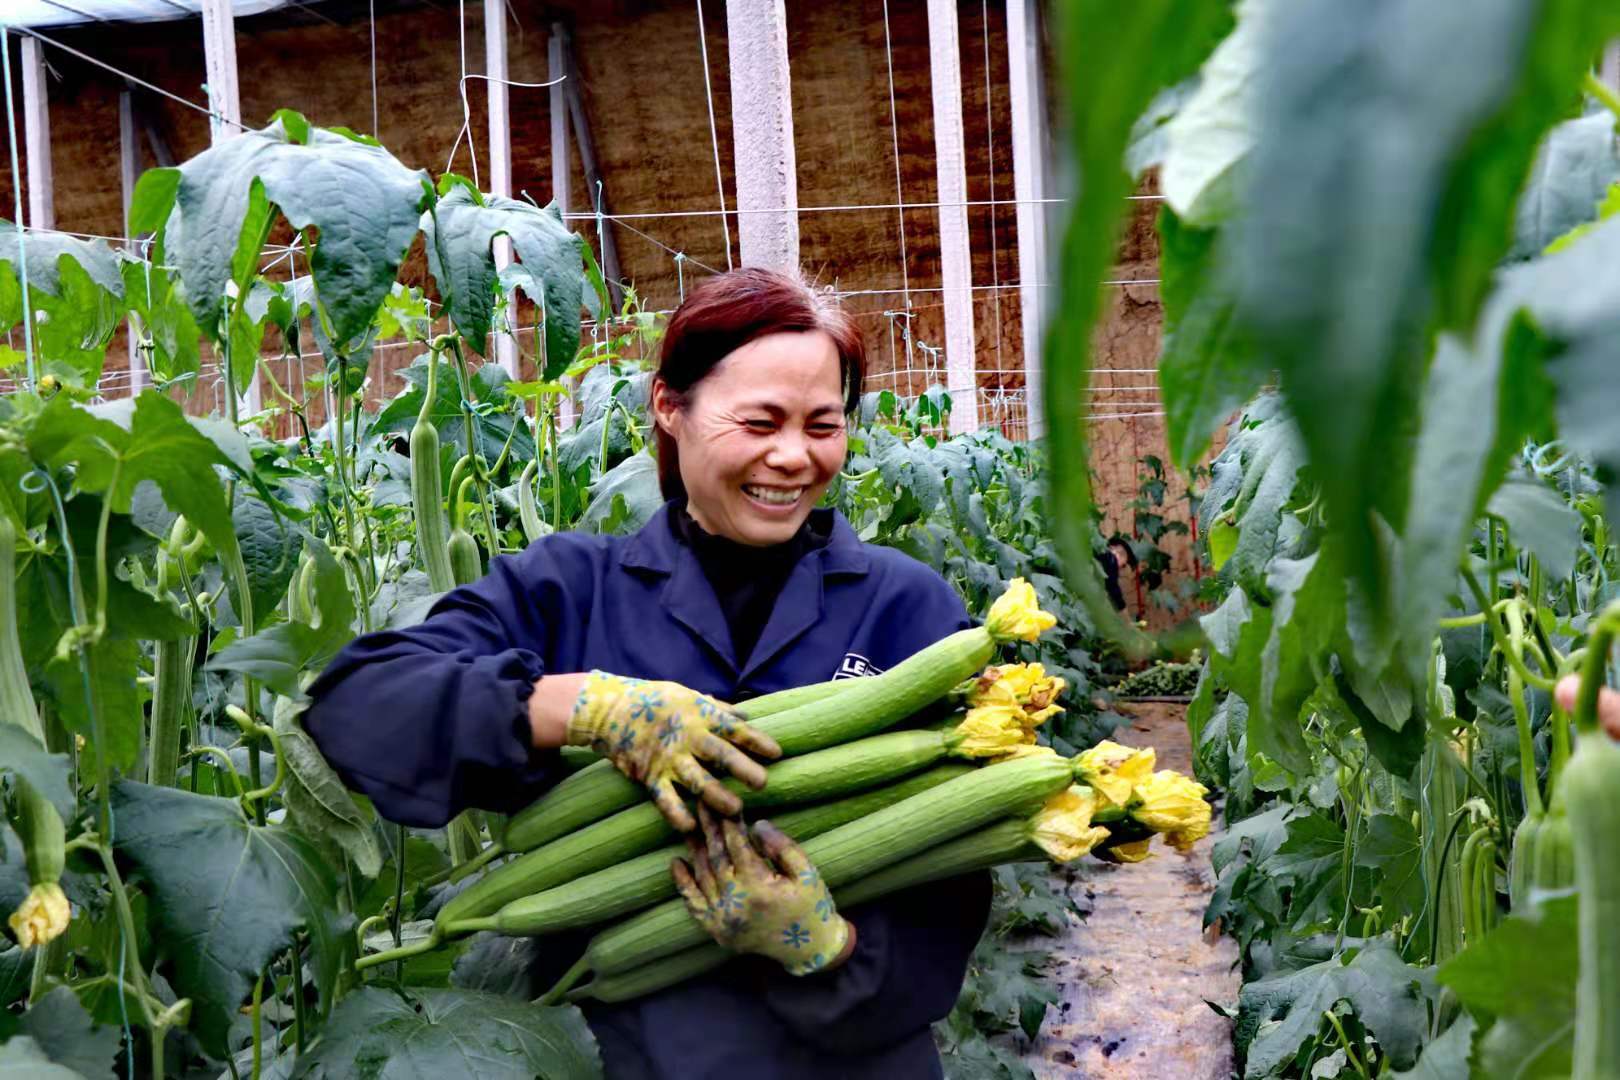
x: 760, y: 425
x: 825, y: 429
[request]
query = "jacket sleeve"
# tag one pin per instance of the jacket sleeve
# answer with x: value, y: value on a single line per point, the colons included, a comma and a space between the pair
x: 911, y: 949
x: 430, y: 720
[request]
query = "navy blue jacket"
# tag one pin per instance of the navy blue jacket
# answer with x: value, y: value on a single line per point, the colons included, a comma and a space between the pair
x: 431, y: 720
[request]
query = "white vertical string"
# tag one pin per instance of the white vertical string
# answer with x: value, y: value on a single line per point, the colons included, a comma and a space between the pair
x: 16, y: 191
x: 375, y: 122
x: 894, y: 139
x: 714, y: 137
x: 466, y: 110
x: 990, y: 154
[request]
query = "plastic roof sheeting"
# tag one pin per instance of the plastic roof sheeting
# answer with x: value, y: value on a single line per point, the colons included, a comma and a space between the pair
x: 44, y: 13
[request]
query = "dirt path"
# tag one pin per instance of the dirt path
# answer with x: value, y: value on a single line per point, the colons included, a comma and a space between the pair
x: 1136, y: 973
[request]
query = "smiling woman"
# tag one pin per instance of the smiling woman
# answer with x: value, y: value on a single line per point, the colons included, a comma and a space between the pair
x: 639, y: 647
x: 757, y: 373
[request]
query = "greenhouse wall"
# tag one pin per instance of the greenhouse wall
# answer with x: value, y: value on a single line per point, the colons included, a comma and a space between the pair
x: 648, y: 111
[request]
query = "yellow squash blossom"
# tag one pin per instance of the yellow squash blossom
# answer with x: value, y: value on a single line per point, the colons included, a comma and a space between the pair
x: 1034, y: 718
x: 1062, y: 827
x: 1017, y: 615
x: 42, y: 916
x: 1183, y: 839
x: 1027, y: 686
x: 1170, y: 802
x: 1115, y: 770
x: 989, y: 730
x: 1133, y: 852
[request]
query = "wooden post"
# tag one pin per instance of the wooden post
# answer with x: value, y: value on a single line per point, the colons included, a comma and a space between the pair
x: 129, y: 167
x: 557, y: 69
x: 37, y: 136
x: 557, y: 60
x: 762, y: 134
x: 219, y: 56
x: 500, y: 160
x: 224, y: 98
x: 956, y: 259
x: 1028, y: 102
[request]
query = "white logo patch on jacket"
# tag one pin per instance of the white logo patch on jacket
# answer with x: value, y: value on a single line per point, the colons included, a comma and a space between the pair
x: 855, y: 665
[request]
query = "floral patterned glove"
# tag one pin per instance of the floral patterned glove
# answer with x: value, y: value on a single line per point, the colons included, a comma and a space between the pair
x: 658, y: 733
x: 772, y: 904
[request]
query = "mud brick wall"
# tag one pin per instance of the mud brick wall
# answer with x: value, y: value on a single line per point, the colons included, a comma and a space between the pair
x: 648, y: 111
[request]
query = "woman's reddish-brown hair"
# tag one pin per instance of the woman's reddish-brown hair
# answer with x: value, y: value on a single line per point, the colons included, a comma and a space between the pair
x: 725, y: 312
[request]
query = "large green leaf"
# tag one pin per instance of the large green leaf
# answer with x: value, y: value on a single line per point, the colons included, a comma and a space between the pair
x: 1523, y: 974
x: 76, y: 294
x: 1398, y: 749
x: 1116, y: 58
x: 286, y: 655
x: 1309, y: 603
x: 1392, y: 849
x: 16, y: 971
x: 461, y: 230
x: 14, y: 885
x: 270, y: 546
x: 318, y: 804
x: 1150, y: 139
x: 1213, y: 131
x: 624, y: 497
x: 1393, y: 138
x: 51, y: 775
x: 62, y: 1029
x: 1384, y: 992
x: 1252, y: 481
x: 1207, y: 365
x: 1574, y: 168
x: 1572, y: 300
x: 21, y: 1058
x: 156, y: 296
x: 1311, y: 861
x: 114, y: 700
x: 909, y: 475
x: 1541, y: 522
x: 382, y: 1035
x: 362, y: 203
x: 1266, y: 669
x: 149, y: 438
x: 227, y: 897
x: 1446, y: 1058
x: 1478, y: 408
x: 43, y: 252
x: 132, y: 615
x: 1260, y: 835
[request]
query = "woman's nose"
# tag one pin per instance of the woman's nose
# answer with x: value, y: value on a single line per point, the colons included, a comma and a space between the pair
x: 789, y: 452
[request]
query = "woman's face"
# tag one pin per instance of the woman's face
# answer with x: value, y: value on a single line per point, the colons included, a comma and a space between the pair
x: 760, y: 437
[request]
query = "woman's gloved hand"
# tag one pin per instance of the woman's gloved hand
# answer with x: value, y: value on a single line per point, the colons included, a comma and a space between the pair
x: 658, y: 733
x: 772, y: 904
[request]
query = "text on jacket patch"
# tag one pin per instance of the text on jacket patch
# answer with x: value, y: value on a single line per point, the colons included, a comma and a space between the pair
x: 855, y: 665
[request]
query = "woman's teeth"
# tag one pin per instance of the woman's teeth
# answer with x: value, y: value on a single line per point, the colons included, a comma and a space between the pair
x: 774, y: 496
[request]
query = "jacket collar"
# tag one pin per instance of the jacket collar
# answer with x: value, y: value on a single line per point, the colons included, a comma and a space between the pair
x: 654, y: 547
x: 690, y: 599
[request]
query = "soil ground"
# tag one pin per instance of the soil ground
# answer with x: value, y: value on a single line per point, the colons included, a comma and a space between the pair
x: 1135, y: 975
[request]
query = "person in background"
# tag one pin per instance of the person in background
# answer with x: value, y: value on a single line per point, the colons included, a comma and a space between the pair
x: 636, y: 646
x: 1113, y: 559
